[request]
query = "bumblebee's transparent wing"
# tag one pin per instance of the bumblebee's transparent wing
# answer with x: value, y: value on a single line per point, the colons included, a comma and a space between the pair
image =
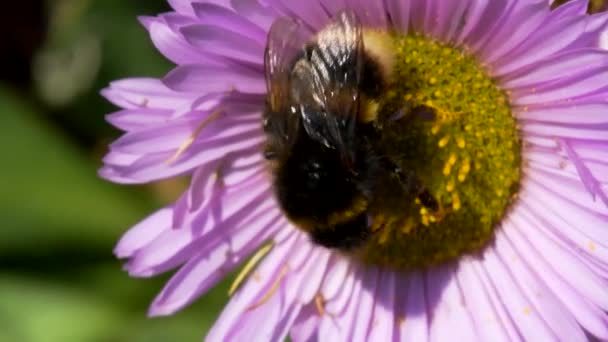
x: 325, y: 84
x: 285, y: 43
x: 286, y: 40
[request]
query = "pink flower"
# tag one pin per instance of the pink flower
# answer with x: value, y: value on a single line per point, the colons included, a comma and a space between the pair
x: 545, y: 277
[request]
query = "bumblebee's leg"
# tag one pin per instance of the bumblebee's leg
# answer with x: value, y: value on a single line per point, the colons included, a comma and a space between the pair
x: 412, y: 185
x: 409, y: 112
x: 428, y: 200
x: 424, y: 112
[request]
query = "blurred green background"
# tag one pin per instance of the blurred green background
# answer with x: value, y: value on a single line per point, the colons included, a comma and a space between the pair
x: 58, y: 278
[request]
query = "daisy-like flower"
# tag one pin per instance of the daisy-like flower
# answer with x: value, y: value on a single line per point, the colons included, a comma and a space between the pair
x: 517, y: 157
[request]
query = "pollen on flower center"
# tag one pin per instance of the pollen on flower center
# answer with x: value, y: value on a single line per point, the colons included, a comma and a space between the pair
x: 468, y: 157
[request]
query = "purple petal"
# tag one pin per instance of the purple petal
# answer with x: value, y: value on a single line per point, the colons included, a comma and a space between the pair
x: 163, y: 138
x: 257, y: 228
x: 383, y: 321
x: 449, y: 310
x: 520, y: 308
x: 587, y: 314
x: 208, y: 79
x: 594, y: 31
x: 477, y: 11
x: 399, y: 13
x: 542, y: 301
x: 584, y: 113
x: 180, y: 211
x: 543, y: 43
x: 143, y: 233
x: 194, y: 278
x: 450, y: 16
x: 269, y: 322
x: 529, y: 19
x: 310, y: 12
x: 569, y: 266
x: 313, y: 276
x: 336, y: 304
x: 348, y: 321
x: 561, y: 66
x: 558, y: 162
x: 175, y: 135
x: 570, y: 189
x: 336, y: 277
x: 224, y: 42
x: 305, y: 326
x: 564, y: 131
x: 204, y: 183
x: 174, y: 46
x: 561, y: 232
x: 182, y: 6
x: 175, y: 246
x: 132, y: 93
x: 260, y: 14
x: 214, y: 15
x: 155, y: 166
x: 138, y: 119
x: 490, y: 320
x: 115, y: 158
x: 371, y: 13
x: 415, y: 326
x: 587, y: 222
x: 333, y: 7
x: 495, y: 21
x: 592, y: 184
x: 363, y: 321
x: 253, y: 290
x: 418, y: 9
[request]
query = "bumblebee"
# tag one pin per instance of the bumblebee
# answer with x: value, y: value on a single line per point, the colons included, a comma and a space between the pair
x: 329, y: 161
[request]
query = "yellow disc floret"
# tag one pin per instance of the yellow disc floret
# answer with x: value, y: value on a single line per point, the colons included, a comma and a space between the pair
x: 468, y: 156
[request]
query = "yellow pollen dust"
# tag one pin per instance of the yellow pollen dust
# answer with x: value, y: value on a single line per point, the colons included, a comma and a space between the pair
x: 468, y: 157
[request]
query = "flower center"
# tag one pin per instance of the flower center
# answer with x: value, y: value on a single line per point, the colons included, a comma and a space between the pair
x: 467, y: 157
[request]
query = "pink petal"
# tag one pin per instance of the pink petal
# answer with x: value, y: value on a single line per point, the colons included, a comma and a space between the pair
x: 561, y: 66
x: 490, y: 319
x: 143, y: 233
x: 587, y: 314
x: 577, y: 114
x: 520, y: 308
x: 363, y: 321
x: 134, y: 93
x: 211, y: 14
x: 194, y: 278
x: 173, y: 46
x: 413, y: 304
x: 550, y: 39
x: 208, y: 79
x: 542, y: 301
x: 224, y: 42
x: 529, y: 19
x: 449, y: 311
x: 137, y: 119
x: 253, y: 290
x: 383, y: 320
x: 305, y: 326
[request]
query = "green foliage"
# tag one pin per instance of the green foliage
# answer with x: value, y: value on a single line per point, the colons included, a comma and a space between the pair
x: 59, y: 281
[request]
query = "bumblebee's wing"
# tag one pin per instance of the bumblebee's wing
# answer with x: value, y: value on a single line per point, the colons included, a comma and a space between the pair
x: 325, y: 84
x: 286, y: 40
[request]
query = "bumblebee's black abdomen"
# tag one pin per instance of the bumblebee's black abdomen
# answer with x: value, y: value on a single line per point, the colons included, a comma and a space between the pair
x: 313, y: 183
x: 344, y: 236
